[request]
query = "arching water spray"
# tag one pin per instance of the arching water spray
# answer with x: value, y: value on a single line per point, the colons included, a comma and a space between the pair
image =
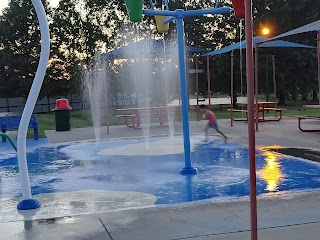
x: 95, y: 80
x: 170, y: 113
x: 140, y: 74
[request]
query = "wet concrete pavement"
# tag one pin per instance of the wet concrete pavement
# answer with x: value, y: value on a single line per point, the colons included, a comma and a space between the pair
x: 292, y: 216
x: 284, y: 133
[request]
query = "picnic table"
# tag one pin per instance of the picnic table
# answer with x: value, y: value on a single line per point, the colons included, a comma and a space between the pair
x: 265, y: 107
x: 305, y: 118
x: 134, y: 114
x: 308, y: 118
x: 262, y: 107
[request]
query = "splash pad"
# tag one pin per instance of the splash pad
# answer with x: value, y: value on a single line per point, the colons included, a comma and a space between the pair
x: 86, y: 177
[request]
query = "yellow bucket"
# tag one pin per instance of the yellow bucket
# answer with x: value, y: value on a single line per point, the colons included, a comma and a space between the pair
x: 162, y: 28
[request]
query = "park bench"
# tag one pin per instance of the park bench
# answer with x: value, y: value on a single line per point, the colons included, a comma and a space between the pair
x: 127, y: 117
x: 261, y: 110
x: 276, y: 110
x: 304, y: 117
x: 242, y: 111
x: 135, y: 114
x: 12, y: 122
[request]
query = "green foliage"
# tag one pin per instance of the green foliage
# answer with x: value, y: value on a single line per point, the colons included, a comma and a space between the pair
x: 296, y: 69
x: 81, y: 29
x: 19, y: 48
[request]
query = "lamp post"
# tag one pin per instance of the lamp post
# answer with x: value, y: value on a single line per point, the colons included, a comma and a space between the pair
x: 265, y: 31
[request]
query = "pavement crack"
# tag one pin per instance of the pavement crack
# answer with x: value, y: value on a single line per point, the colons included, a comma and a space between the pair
x: 104, y: 226
x: 231, y: 212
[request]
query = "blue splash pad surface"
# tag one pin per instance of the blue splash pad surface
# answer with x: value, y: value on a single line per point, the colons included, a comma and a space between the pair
x: 223, y: 171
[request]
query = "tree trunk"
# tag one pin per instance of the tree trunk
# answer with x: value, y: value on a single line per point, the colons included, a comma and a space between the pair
x: 303, y: 96
x: 235, y: 105
x: 314, y: 95
x: 282, y: 99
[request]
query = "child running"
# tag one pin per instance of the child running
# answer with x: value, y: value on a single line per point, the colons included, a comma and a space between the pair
x: 212, y: 121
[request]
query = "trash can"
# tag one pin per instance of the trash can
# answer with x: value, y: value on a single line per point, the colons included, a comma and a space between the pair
x: 62, y: 114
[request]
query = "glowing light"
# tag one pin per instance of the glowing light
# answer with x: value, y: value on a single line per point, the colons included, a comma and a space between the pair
x: 271, y: 173
x: 265, y: 31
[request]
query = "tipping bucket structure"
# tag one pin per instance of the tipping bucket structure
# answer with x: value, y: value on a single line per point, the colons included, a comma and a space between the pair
x: 161, y: 27
x: 134, y: 8
x: 238, y: 8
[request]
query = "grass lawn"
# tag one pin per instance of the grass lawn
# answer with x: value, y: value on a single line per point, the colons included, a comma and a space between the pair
x: 46, y: 121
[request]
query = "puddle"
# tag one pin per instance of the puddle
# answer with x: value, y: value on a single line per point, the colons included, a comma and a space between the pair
x: 299, y: 152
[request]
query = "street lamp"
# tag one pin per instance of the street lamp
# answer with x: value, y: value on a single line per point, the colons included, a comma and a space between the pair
x: 265, y: 31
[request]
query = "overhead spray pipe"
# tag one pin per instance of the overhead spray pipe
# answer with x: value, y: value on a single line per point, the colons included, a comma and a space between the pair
x: 166, y: 3
x: 28, y: 202
x: 151, y: 5
x: 217, y: 3
x: 188, y: 13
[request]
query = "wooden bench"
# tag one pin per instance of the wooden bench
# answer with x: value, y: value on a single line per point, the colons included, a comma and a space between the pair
x: 135, y: 114
x: 172, y: 112
x: 303, y: 117
x: 277, y: 110
x: 134, y: 118
x: 12, y: 122
x: 239, y: 110
x: 127, y: 117
x: 261, y: 110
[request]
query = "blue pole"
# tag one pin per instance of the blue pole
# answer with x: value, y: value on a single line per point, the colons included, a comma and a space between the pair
x: 217, y: 3
x: 198, y: 12
x: 169, y: 20
x: 188, y: 13
x: 151, y: 4
x: 158, y: 12
x: 188, y: 169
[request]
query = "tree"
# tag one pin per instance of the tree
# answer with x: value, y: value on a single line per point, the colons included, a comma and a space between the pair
x: 19, y: 47
x: 296, y: 70
x: 75, y: 39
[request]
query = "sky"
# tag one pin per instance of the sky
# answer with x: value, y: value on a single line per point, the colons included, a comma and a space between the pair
x: 4, y: 3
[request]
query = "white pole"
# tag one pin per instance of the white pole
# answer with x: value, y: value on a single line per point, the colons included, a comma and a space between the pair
x: 32, y: 98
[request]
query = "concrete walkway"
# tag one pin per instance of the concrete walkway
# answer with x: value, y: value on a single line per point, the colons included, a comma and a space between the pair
x: 284, y: 133
x: 286, y: 216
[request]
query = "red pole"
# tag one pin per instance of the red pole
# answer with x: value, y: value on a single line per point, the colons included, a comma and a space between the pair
x: 231, y: 94
x: 197, y: 86
x: 318, y: 48
x: 251, y: 132
x: 274, y: 78
x: 256, y: 76
x: 208, y: 77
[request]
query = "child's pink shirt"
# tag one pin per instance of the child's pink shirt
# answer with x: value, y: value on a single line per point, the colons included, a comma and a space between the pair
x: 210, y: 115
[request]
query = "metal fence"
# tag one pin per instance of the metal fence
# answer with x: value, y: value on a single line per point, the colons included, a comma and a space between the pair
x: 76, y: 102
